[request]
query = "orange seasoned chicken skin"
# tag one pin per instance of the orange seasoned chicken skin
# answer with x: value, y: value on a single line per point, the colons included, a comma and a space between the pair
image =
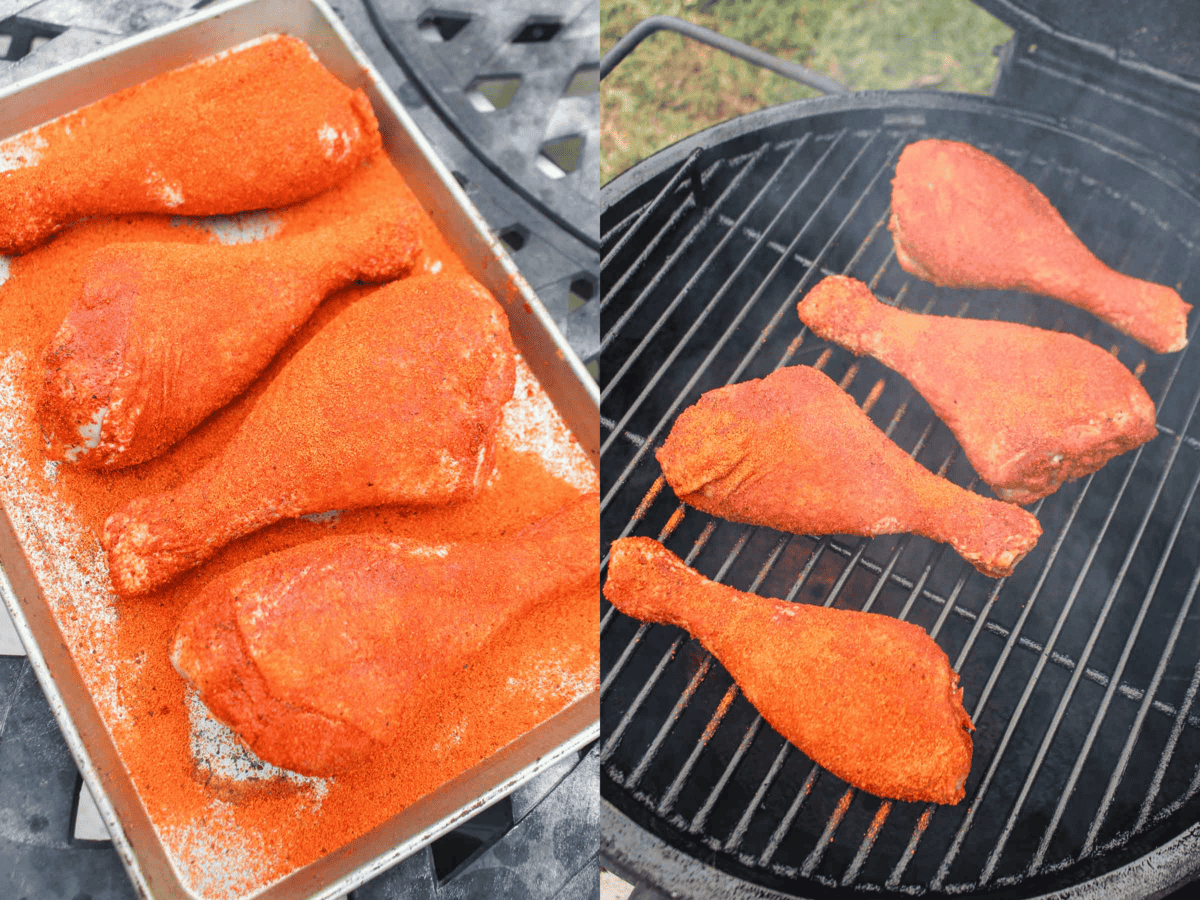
x: 963, y: 219
x: 870, y: 698
x: 397, y: 400
x: 793, y: 452
x: 1031, y: 408
x: 317, y: 655
x: 163, y: 334
x: 263, y: 125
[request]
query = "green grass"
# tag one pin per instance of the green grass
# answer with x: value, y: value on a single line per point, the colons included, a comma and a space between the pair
x: 670, y: 86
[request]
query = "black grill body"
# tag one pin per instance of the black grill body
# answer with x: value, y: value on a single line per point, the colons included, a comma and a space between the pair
x: 1080, y: 670
x: 1132, y: 67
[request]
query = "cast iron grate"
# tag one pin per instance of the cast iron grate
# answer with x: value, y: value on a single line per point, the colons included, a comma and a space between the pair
x: 1081, y: 669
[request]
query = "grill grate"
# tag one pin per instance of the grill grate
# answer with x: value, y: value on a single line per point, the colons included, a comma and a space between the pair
x: 1080, y: 670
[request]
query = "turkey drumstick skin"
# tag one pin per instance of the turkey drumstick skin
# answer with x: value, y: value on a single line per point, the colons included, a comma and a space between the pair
x: 316, y: 655
x: 396, y: 400
x: 793, y: 452
x: 1031, y: 408
x: 260, y: 126
x: 163, y: 334
x: 870, y: 698
x: 963, y: 219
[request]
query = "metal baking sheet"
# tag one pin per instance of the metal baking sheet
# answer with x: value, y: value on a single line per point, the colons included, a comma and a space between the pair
x: 559, y: 371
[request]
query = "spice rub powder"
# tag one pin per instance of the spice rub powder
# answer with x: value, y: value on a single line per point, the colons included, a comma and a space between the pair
x: 232, y: 824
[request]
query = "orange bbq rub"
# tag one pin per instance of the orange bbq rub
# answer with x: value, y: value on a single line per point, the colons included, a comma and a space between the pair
x: 318, y: 655
x: 961, y: 218
x: 870, y: 698
x: 262, y: 125
x: 164, y: 333
x: 1031, y: 408
x: 793, y: 452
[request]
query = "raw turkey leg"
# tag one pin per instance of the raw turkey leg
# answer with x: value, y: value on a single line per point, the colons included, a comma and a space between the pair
x: 961, y: 218
x: 317, y: 654
x: 793, y: 452
x: 263, y: 125
x: 397, y: 400
x: 870, y: 698
x: 1031, y: 408
x: 164, y: 334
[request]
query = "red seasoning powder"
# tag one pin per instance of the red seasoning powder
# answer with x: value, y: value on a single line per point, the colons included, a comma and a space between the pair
x: 260, y: 125
x: 231, y: 824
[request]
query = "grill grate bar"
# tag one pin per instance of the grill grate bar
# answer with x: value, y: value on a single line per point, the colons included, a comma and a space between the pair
x: 739, y: 831
x: 1176, y: 729
x: 685, y: 171
x: 1078, y: 671
x: 835, y: 819
x: 1135, y: 730
x: 785, y: 823
x: 868, y: 843
x: 701, y: 817
x: 648, y: 252
x: 1044, y: 656
x: 642, y: 628
x: 684, y: 698
x: 893, y: 880
x: 724, y: 338
x: 709, y: 307
x: 706, y: 219
x: 1026, y: 610
x: 1188, y: 440
x: 1156, y: 680
x: 712, y: 304
x: 790, y: 302
x: 614, y: 737
x: 1119, y: 769
x: 672, y: 794
x: 714, y: 212
x: 1118, y: 580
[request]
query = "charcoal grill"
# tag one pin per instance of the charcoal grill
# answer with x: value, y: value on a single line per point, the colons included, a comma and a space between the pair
x: 1081, y: 670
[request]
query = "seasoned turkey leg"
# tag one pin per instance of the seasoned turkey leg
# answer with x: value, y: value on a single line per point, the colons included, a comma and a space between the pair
x: 263, y: 125
x: 397, y: 400
x: 793, y: 452
x: 961, y: 218
x: 870, y: 698
x: 164, y: 334
x: 1031, y: 408
x: 317, y: 655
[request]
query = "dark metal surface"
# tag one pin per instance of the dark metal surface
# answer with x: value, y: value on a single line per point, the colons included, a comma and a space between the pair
x: 1155, y: 36
x: 1080, y: 670
x: 1132, y: 67
x: 442, y: 63
x: 40, y: 856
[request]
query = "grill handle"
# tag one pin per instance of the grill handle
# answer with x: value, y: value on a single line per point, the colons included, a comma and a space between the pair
x: 648, y: 26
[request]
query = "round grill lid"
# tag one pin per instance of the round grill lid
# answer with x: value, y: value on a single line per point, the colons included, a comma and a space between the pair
x: 1080, y: 671
x: 1158, y: 35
